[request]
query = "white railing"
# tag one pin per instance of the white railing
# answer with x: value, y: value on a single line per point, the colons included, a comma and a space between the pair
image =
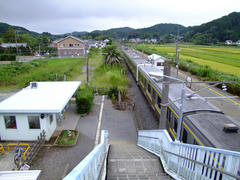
x: 92, y: 166
x: 185, y: 161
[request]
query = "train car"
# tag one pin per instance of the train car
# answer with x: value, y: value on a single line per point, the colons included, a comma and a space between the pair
x: 203, y: 123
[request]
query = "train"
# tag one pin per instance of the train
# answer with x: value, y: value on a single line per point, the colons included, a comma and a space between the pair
x: 202, y: 123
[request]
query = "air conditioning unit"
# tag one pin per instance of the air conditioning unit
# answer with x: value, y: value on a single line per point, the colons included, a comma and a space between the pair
x: 33, y: 85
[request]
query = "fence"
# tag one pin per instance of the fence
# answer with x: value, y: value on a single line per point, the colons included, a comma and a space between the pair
x: 91, y: 167
x: 190, y: 161
x: 30, y: 153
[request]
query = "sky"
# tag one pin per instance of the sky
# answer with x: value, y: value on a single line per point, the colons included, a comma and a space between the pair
x: 65, y: 16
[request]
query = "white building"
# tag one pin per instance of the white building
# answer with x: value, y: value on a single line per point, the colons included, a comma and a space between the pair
x: 156, y: 60
x: 5, y: 45
x: 37, y: 107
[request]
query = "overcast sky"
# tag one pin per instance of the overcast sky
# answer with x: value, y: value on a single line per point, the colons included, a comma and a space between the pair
x: 62, y: 16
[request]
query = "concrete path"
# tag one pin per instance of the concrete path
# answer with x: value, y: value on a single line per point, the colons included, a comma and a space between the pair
x: 71, y: 120
x: 126, y: 160
x: 130, y: 162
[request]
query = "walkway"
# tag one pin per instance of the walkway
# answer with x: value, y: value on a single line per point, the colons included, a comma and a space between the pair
x: 126, y: 160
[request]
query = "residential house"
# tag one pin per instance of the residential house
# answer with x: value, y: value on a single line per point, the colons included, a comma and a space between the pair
x: 70, y: 46
x: 238, y: 42
x: 35, y: 108
x: 228, y: 42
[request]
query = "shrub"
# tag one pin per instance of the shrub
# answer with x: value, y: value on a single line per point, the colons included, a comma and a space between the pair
x: 84, y: 100
x: 113, y: 93
x: 7, y: 57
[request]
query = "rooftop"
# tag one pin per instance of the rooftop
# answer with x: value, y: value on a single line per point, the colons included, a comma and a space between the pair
x: 46, y: 97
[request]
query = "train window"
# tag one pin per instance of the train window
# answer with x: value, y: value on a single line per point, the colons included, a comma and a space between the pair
x: 184, y: 136
x: 175, y: 124
x: 149, y: 88
x: 154, y: 95
x: 159, y: 105
x: 169, y: 115
x: 195, y: 142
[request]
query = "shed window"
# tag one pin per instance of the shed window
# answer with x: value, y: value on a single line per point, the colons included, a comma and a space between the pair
x: 71, y: 45
x: 62, y: 45
x: 34, y: 122
x: 10, y: 122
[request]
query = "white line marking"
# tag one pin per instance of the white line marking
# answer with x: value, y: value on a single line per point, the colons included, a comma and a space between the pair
x: 99, y: 122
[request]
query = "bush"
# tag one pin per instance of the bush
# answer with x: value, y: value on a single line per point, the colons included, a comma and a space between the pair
x: 84, y: 100
x: 113, y: 93
x: 7, y: 57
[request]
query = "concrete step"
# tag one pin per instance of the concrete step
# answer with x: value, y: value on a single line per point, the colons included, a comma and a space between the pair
x: 128, y: 161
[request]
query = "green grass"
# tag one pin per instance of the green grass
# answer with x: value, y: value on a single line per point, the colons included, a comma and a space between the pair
x: 17, y: 75
x: 107, y: 76
x: 64, y: 139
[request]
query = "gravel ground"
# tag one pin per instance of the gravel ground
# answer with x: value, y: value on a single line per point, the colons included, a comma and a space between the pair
x: 143, y: 112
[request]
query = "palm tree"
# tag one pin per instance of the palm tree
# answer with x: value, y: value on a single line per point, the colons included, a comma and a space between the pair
x: 111, y: 55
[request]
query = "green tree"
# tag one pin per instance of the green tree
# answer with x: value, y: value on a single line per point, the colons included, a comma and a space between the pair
x: 111, y: 55
x: 9, y: 35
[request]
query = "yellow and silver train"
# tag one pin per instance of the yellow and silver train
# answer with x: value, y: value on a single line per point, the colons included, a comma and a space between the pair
x: 203, y: 123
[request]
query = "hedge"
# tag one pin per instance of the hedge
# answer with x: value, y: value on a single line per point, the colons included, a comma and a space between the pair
x: 84, y: 100
x: 7, y: 57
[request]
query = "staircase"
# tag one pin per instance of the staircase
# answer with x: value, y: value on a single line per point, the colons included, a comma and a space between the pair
x: 128, y: 161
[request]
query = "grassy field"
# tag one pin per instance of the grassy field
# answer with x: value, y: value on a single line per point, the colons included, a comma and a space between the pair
x: 107, y: 76
x: 18, y: 75
x: 225, y: 59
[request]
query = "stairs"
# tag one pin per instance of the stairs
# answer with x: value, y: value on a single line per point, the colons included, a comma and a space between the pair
x: 126, y: 161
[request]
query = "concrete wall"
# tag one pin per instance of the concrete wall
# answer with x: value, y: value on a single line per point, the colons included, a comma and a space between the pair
x: 23, y: 133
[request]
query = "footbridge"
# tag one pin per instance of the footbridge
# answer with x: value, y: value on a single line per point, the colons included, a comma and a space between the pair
x: 156, y: 156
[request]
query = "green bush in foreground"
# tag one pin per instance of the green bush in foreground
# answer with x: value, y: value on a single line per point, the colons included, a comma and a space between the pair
x: 84, y: 100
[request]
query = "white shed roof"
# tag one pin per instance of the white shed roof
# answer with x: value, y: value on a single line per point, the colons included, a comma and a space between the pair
x: 48, y: 97
x: 155, y: 57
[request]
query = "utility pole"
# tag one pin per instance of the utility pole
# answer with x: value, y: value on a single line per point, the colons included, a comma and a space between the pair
x: 86, y: 57
x: 15, y: 33
x: 163, y: 116
x: 177, y: 52
x: 39, y: 49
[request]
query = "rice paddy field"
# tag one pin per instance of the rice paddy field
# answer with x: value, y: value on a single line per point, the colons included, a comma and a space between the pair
x: 224, y: 59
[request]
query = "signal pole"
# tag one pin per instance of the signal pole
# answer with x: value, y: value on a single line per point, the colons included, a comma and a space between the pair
x: 163, y: 116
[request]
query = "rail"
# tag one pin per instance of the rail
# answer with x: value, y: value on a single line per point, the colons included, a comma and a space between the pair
x: 92, y: 167
x: 185, y: 161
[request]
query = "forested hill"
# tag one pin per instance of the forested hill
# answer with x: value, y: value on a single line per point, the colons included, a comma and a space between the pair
x: 4, y: 27
x: 219, y: 30
x: 158, y: 31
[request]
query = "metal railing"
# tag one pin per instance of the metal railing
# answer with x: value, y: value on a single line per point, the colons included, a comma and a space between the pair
x: 92, y: 166
x: 185, y: 161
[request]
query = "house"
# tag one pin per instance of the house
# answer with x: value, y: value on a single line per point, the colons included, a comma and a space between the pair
x: 35, y: 108
x: 70, y: 46
x: 238, y: 42
x: 156, y: 60
x: 6, y: 45
x: 228, y: 42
